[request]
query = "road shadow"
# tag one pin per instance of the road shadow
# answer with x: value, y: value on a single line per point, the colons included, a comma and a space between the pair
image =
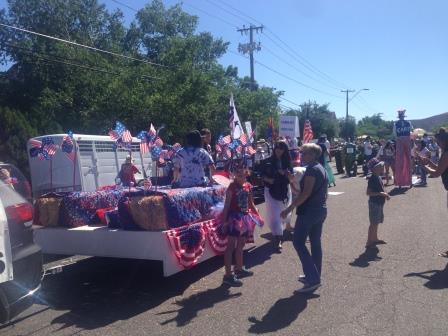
x: 281, y: 314
x: 258, y: 255
x: 191, y: 306
x: 97, y: 292
x: 398, y: 191
x: 365, y: 258
x: 437, y: 279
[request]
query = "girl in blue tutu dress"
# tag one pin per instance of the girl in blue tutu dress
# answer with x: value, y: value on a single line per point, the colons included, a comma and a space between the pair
x: 239, y: 218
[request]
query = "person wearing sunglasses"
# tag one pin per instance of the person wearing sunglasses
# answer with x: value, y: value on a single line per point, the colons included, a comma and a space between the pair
x: 311, y: 206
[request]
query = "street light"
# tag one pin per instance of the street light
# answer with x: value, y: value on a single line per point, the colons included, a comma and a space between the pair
x: 347, y: 100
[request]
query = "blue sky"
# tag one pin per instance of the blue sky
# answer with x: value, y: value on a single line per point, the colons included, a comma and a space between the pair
x: 398, y: 49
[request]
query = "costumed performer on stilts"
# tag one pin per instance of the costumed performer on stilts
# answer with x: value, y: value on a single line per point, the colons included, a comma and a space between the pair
x: 403, y: 162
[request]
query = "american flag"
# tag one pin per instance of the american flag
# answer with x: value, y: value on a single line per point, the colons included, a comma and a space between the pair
x: 114, y: 135
x: 124, y: 133
x: 44, y: 149
x: 270, y: 130
x: 49, y: 146
x: 68, y: 146
x: 126, y: 137
x: 243, y: 139
x: 224, y: 140
x: 144, y: 147
x: 307, y: 132
x: 120, y: 133
x: 250, y: 150
x: 152, y: 131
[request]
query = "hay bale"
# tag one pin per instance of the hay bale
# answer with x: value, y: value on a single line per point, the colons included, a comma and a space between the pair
x: 149, y: 213
x: 48, y: 211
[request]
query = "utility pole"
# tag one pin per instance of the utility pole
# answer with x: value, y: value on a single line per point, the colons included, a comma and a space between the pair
x: 346, y: 104
x: 249, y: 48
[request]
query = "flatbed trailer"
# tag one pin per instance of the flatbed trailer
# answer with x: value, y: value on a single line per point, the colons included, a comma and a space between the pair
x: 100, y: 241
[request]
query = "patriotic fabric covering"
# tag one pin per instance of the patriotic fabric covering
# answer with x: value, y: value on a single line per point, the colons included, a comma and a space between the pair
x: 79, y: 208
x: 188, y: 242
x: 67, y: 146
x: 121, y: 135
x: 182, y: 206
x: 44, y: 149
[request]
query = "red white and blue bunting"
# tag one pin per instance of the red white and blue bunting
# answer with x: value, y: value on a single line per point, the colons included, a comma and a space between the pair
x: 188, y: 242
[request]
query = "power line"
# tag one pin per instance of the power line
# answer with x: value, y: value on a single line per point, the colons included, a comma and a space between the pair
x: 227, y: 11
x: 82, y: 45
x: 64, y: 61
x: 289, y: 101
x: 305, y: 62
x: 239, y: 11
x: 366, y: 104
x: 124, y: 5
x: 289, y: 78
x: 302, y: 60
x: 296, y: 68
x: 233, y: 25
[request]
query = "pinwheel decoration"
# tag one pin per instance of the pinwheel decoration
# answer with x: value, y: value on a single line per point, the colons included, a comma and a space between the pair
x: 222, y: 146
x: 43, y: 150
x: 167, y: 154
x: 150, y: 142
x: 68, y: 147
x: 121, y: 135
x: 240, y: 146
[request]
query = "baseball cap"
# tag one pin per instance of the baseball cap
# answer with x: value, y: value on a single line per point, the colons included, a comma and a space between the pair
x: 373, y: 163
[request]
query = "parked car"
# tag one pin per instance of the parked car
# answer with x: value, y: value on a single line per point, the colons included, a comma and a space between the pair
x: 20, y: 257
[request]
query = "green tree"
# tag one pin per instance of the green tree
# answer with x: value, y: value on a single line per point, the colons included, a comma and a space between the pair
x: 347, y: 128
x: 323, y: 120
x: 375, y: 126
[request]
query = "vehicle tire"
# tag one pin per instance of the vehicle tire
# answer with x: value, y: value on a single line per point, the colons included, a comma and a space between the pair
x: 5, y: 312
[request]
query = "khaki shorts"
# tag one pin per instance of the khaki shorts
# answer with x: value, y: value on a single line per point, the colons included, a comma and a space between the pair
x: 376, y: 213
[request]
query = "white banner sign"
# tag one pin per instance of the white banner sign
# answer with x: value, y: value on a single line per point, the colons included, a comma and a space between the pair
x: 289, y: 127
x: 248, y: 126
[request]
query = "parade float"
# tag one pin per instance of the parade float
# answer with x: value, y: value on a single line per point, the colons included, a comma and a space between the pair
x: 81, y: 209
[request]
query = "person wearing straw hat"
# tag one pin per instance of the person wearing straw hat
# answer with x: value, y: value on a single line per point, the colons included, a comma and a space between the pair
x: 403, y: 165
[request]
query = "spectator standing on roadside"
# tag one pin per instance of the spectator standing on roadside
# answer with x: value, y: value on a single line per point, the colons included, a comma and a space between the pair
x: 277, y: 173
x: 421, y: 153
x: 368, y: 153
x: 311, y: 213
x: 377, y: 198
x: 440, y: 169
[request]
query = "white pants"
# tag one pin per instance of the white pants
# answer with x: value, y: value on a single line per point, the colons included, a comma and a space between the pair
x: 273, y: 209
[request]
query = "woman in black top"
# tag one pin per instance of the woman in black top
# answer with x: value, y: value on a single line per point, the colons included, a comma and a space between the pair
x: 440, y: 169
x: 311, y: 213
x: 276, y: 175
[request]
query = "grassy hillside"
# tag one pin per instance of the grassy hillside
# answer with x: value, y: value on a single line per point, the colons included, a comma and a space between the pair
x: 432, y: 122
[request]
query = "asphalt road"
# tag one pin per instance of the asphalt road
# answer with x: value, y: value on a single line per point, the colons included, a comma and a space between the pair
x: 401, y: 289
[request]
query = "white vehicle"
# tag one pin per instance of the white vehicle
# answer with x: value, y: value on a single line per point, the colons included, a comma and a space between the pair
x: 20, y: 257
x: 96, y: 163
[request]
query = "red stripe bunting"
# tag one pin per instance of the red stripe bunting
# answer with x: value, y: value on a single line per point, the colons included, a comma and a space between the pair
x: 188, y: 257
